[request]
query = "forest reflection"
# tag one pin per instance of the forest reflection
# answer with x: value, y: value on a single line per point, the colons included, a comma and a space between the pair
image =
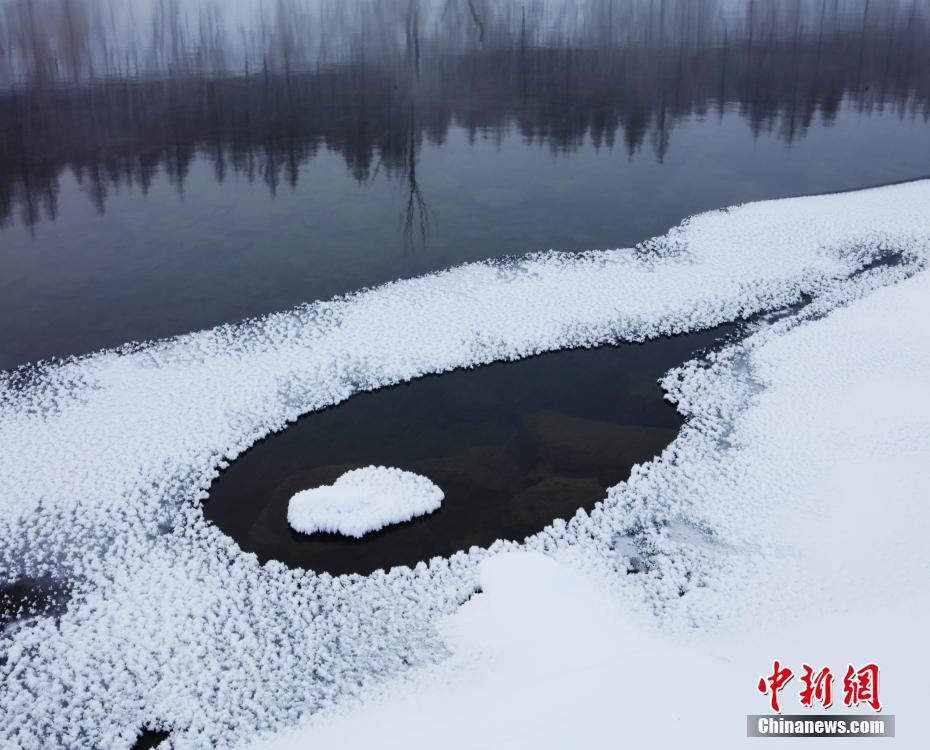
x: 120, y: 92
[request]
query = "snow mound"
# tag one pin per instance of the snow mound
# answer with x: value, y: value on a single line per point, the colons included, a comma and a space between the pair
x: 364, y: 500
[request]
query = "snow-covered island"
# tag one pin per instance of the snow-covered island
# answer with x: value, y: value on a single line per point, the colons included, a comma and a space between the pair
x: 362, y: 501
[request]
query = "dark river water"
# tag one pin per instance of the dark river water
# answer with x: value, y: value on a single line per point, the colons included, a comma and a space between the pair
x: 182, y: 168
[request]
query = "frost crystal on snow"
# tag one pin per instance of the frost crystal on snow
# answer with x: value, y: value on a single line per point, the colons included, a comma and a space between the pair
x: 363, y: 500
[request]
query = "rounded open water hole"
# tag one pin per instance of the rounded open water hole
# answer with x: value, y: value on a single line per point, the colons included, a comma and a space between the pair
x: 512, y: 445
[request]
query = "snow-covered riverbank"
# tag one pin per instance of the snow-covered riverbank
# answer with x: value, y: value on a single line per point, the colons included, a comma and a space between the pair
x: 105, y: 459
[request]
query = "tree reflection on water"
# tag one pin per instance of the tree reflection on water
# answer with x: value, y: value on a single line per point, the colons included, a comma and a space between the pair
x: 261, y: 91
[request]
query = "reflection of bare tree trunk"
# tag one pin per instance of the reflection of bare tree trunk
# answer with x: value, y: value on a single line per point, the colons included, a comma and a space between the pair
x: 51, y: 198
x: 416, y: 212
x: 40, y: 57
x: 661, y: 20
x: 819, y: 50
x: 479, y: 24
x: 610, y: 24
x: 413, y: 34
x: 72, y: 39
x: 886, y: 66
x: 865, y: 26
x: 293, y: 159
x: 30, y: 211
x: 823, y: 13
x: 724, y: 59
x: 287, y: 41
x: 98, y: 188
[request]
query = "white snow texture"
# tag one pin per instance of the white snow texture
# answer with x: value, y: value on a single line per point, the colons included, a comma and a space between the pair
x: 105, y: 460
x: 363, y: 500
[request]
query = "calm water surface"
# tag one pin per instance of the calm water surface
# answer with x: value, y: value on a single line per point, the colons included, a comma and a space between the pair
x: 152, y: 183
x: 512, y: 445
x: 173, y: 171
